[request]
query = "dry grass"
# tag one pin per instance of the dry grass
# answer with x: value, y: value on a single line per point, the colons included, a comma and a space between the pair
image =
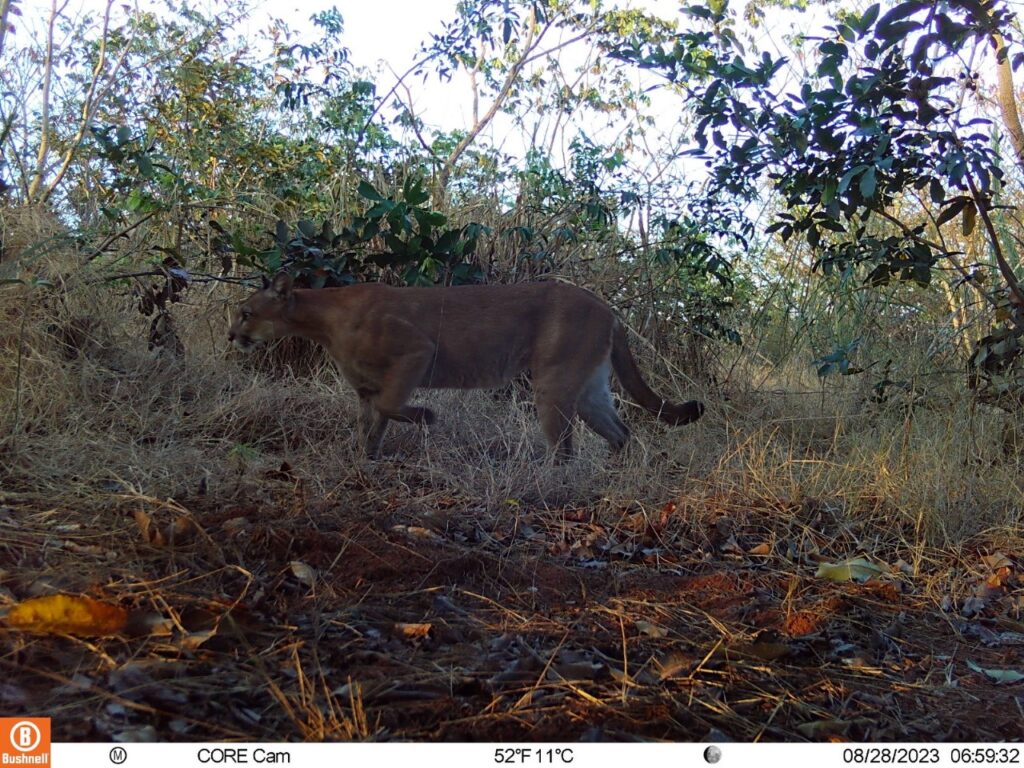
x: 664, y: 593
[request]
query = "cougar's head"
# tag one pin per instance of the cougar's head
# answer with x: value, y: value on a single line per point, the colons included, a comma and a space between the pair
x: 260, y: 318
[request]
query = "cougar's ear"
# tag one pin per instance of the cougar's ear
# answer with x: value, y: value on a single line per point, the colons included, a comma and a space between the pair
x: 282, y: 285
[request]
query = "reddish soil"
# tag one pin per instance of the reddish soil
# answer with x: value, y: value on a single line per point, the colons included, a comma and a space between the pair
x: 448, y: 626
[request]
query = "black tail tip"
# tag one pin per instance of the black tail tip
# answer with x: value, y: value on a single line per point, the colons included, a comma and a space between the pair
x: 696, y: 407
x: 689, y: 412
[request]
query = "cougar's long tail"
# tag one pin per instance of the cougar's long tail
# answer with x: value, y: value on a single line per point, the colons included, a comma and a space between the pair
x: 629, y: 375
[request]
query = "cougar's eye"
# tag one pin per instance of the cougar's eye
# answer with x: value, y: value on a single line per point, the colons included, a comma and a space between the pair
x: 246, y: 314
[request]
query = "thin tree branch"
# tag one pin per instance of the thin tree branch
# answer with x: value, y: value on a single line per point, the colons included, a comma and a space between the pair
x: 93, y: 100
x: 380, y: 104
x: 532, y: 40
x: 44, y: 127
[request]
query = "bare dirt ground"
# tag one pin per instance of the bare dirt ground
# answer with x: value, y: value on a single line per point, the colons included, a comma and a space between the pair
x: 282, y: 616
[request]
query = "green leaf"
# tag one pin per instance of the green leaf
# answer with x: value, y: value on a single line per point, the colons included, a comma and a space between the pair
x: 140, y: 202
x: 306, y: 228
x: 380, y: 210
x: 828, y: 194
x: 847, y: 177
x: 367, y: 190
x: 922, y: 273
x: 281, y: 233
x: 867, y: 183
x: 145, y: 165
x: 271, y: 260
x: 124, y: 134
x: 970, y: 215
x: 447, y: 241
x: 397, y: 246
x: 956, y: 205
x: 414, y: 193
x: 893, y: 33
x: 902, y: 11
x: 880, y: 275
x: 869, y: 18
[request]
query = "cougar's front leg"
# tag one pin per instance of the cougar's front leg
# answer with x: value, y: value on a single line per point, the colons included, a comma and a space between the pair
x: 370, y: 426
x: 398, y: 384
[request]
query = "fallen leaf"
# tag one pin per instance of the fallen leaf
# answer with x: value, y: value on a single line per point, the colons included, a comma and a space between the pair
x: 620, y: 677
x: 1000, y: 676
x: 765, y: 650
x: 67, y: 615
x: 194, y: 640
x: 731, y: 546
x: 142, y: 623
x: 850, y: 570
x: 575, y: 665
x: 235, y: 525
x: 973, y: 606
x: 412, y: 631
x: 995, y: 583
x: 416, y: 531
x: 579, y: 670
x: 904, y: 567
x: 676, y: 664
x: 179, y: 531
x: 763, y: 548
x: 304, y: 573
x: 996, y: 561
x: 651, y: 630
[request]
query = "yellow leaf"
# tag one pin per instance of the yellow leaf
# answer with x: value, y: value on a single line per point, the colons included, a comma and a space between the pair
x: 851, y: 570
x: 67, y: 615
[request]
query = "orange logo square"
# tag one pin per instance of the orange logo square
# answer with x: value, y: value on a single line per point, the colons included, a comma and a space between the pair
x: 24, y: 741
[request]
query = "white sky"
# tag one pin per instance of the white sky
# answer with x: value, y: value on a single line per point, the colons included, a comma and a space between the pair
x: 385, y: 36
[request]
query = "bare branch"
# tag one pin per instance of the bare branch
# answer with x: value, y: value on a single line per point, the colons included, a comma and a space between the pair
x: 532, y: 41
x: 44, y: 128
x: 92, y: 100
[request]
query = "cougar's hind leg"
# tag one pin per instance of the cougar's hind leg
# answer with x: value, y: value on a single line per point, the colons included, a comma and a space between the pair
x: 597, y: 409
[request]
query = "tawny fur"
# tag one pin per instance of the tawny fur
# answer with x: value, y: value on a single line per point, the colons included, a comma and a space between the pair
x: 389, y: 341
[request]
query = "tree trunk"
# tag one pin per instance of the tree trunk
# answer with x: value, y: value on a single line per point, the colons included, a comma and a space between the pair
x: 1007, y: 98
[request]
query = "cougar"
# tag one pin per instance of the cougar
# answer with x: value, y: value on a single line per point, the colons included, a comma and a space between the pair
x: 388, y: 341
